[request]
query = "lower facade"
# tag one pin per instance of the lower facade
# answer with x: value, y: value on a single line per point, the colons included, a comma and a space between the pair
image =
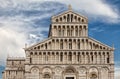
x: 68, y: 72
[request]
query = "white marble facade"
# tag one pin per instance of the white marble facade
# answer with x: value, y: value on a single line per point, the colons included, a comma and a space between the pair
x: 68, y: 53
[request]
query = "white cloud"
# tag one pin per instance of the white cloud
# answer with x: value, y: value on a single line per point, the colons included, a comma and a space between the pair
x: 94, y: 8
x: 117, y: 71
x: 17, y: 28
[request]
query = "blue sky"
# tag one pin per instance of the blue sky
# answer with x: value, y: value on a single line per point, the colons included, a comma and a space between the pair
x: 27, y: 21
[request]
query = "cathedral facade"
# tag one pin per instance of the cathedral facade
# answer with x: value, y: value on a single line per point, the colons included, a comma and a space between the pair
x: 68, y: 53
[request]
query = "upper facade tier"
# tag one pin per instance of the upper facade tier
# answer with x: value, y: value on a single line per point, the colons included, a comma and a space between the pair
x: 69, y: 24
x: 69, y: 31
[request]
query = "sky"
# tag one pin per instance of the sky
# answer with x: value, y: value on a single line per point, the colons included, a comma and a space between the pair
x: 27, y: 22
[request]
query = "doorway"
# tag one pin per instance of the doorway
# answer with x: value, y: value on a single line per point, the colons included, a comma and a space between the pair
x: 69, y: 77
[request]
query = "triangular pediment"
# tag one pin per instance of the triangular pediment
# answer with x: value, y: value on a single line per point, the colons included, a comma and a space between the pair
x: 69, y: 16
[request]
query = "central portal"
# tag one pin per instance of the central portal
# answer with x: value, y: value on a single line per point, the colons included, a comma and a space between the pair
x: 69, y: 77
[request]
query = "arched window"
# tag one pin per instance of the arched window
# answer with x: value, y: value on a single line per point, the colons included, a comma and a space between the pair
x: 78, y: 45
x: 56, y: 20
x: 68, y: 18
x: 64, y: 18
x: 78, y: 56
x: 61, y: 57
x: 79, y: 19
x: 76, y: 32
x: 70, y: 56
x: 92, y: 58
x: 70, y: 45
x: 46, y: 46
x: 35, y: 53
x: 75, y: 18
x: 61, y: 45
x: 68, y: 32
x: 82, y: 20
x: 59, y: 32
x: 60, y: 19
x: 62, y: 33
x: 71, y: 17
x: 108, y: 59
x: 31, y: 53
x: 38, y: 47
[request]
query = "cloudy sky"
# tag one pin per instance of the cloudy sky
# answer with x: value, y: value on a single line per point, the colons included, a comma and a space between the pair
x: 27, y: 22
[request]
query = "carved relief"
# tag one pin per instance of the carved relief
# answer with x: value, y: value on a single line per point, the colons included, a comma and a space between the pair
x: 58, y: 70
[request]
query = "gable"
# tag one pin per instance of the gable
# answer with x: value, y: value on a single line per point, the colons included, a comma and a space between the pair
x: 63, y: 44
x: 69, y: 16
x: 95, y: 44
x: 40, y: 46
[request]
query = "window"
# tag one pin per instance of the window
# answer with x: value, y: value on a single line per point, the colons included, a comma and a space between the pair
x: 75, y: 18
x: 92, y: 58
x: 35, y: 53
x: 68, y: 18
x: 68, y: 32
x: 71, y: 33
x: 79, y: 19
x: 38, y: 47
x: 61, y: 57
x: 70, y: 57
x: 70, y: 45
x: 79, y: 32
x: 9, y: 72
x: 76, y: 32
x: 78, y: 57
x: 61, y: 19
x: 61, y: 45
x: 59, y: 32
x: 108, y: 60
x: 62, y: 32
x: 71, y: 17
x: 78, y: 45
x: 31, y: 53
x: 45, y: 46
x: 56, y: 20
x: 82, y: 20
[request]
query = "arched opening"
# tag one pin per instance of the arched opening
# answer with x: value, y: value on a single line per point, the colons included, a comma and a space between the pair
x: 70, y: 73
x: 68, y: 18
x: 70, y: 56
x: 34, y: 73
x: 46, y: 76
x: 93, y: 76
x: 71, y: 17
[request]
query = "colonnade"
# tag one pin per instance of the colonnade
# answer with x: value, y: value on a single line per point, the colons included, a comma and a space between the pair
x: 70, y: 18
x: 69, y: 30
x: 71, y: 57
x: 70, y: 43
